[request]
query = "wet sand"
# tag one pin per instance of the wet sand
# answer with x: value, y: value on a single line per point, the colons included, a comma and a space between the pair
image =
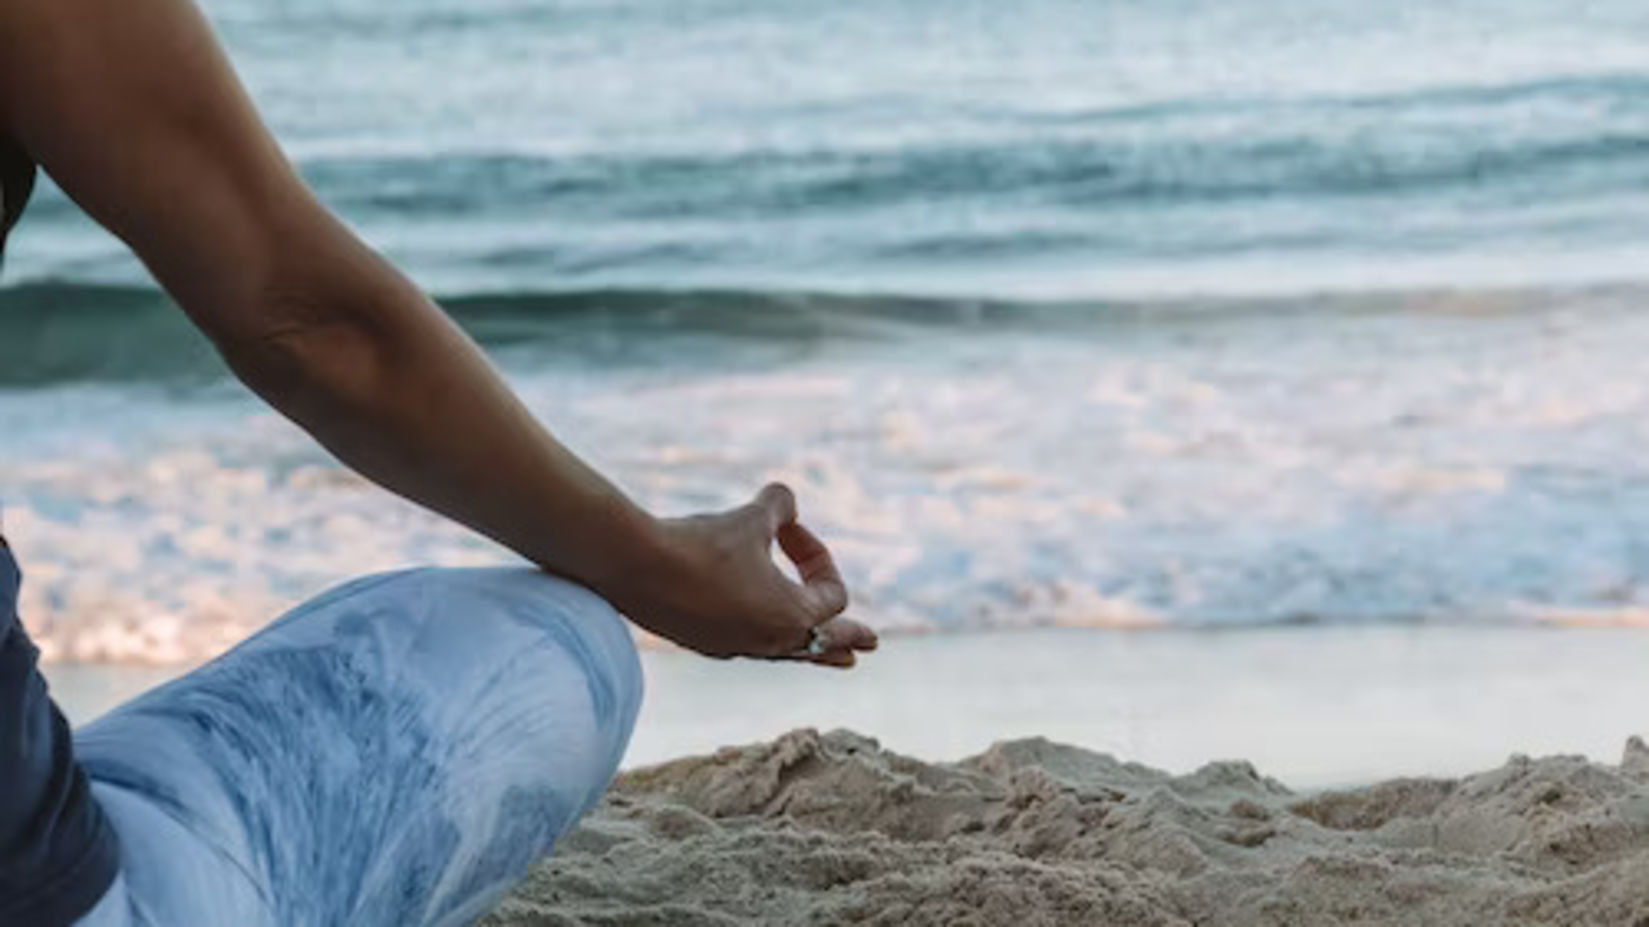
x: 1315, y: 707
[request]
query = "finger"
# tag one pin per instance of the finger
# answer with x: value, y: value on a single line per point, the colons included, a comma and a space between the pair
x: 835, y: 638
x: 843, y: 659
x: 822, y: 581
x: 840, y: 659
x: 777, y: 504
x: 847, y: 634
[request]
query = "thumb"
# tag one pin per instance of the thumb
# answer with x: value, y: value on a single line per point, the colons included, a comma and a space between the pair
x: 776, y: 505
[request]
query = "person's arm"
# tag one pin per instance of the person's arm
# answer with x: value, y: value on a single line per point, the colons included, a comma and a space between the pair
x: 132, y: 108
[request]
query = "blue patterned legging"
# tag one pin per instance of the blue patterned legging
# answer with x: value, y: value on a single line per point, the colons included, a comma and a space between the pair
x: 396, y: 752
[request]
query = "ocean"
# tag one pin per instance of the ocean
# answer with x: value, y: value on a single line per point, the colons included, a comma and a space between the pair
x: 1173, y: 314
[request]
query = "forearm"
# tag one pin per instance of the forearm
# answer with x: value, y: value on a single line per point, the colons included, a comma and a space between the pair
x: 390, y: 385
x: 136, y: 114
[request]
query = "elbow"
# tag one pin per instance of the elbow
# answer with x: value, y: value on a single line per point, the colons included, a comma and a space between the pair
x: 306, y: 366
x: 317, y: 323
x: 337, y: 334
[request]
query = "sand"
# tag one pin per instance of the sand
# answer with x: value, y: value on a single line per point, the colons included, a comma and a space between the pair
x: 833, y: 829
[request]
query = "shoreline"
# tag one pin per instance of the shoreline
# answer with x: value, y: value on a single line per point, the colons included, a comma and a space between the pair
x: 1556, y: 621
x: 1317, y: 707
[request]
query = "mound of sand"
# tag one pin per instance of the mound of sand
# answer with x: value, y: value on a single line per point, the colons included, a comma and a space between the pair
x: 832, y: 829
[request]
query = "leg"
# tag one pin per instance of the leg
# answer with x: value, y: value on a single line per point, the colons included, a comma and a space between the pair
x: 397, y: 752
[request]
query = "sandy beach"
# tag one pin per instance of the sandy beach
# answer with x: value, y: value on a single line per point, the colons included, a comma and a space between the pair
x: 1231, y: 416
x: 834, y: 828
x: 1136, y: 826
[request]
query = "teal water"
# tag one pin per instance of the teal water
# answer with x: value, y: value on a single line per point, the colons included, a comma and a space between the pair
x: 972, y: 149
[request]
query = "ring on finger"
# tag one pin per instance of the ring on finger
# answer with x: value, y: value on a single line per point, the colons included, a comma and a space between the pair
x: 818, y: 641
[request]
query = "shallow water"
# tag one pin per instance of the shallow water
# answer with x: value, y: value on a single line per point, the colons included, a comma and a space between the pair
x: 1314, y: 708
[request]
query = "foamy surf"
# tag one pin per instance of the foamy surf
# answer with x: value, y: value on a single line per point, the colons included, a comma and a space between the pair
x: 1442, y: 459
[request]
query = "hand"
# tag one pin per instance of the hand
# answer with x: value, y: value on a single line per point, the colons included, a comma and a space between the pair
x: 709, y: 583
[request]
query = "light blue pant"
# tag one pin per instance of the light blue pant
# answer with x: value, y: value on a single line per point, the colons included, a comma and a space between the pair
x: 396, y: 752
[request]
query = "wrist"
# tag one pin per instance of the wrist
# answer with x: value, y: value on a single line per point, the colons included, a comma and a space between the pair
x: 629, y: 544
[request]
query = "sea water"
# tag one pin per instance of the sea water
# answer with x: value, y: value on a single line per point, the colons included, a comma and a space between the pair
x: 1170, y: 313
x: 1322, y: 707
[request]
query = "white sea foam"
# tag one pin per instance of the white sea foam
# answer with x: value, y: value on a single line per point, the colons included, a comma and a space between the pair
x: 1458, y: 459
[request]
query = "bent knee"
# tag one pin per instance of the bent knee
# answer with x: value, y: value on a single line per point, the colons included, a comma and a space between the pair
x: 561, y: 610
x: 451, y: 634
x: 522, y: 610
x: 562, y: 663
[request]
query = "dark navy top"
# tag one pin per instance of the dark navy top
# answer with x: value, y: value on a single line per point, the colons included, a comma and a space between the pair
x: 58, y: 854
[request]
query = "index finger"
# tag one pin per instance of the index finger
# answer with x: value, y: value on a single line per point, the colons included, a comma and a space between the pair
x: 826, y: 591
